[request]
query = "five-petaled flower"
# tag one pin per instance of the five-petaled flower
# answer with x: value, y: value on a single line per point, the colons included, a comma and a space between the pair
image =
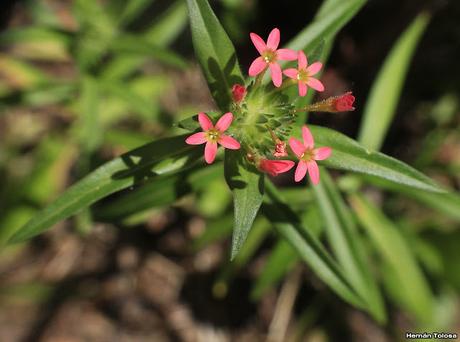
x: 275, y: 167
x: 212, y: 135
x: 269, y: 56
x: 308, y: 155
x: 344, y: 103
x: 303, y: 74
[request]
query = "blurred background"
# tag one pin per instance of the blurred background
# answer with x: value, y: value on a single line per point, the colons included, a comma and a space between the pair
x: 84, y: 81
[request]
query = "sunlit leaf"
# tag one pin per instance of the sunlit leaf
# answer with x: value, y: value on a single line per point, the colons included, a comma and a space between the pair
x: 386, y: 90
x: 151, y: 160
x: 349, y: 155
x: 214, y: 51
x: 347, y: 244
x: 247, y: 185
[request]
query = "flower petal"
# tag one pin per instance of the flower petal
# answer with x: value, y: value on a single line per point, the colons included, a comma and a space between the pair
x: 302, y: 60
x: 229, y: 142
x: 196, y: 139
x: 257, y: 67
x: 313, y: 171
x: 210, y: 151
x: 286, y: 54
x: 314, y: 68
x: 322, y: 153
x: 281, y: 166
x: 291, y: 73
x: 315, y: 84
x: 300, y: 171
x: 297, y: 147
x: 224, y: 122
x: 302, y: 89
x: 273, y: 39
x: 205, y: 122
x: 258, y: 42
x: 277, y: 75
x: 308, y: 140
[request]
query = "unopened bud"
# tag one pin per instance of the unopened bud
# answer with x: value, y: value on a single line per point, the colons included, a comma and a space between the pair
x: 275, y: 167
x: 238, y: 93
x: 344, y: 103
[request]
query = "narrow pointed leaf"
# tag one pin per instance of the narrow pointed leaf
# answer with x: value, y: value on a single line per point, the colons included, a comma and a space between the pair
x: 310, y: 250
x: 398, y: 256
x: 386, y: 91
x: 332, y: 16
x: 214, y: 51
x: 347, y: 154
x: 151, y: 160
x: 247, y: 185
x: 347, y: 244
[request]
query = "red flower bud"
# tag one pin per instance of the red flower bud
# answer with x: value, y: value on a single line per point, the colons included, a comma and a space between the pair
x: 238, y: 93
x: 275, y: 167
x: 344, y: 103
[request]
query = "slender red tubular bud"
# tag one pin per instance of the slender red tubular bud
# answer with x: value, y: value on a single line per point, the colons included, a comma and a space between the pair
x: 238, y: 93
x: 341, y: 103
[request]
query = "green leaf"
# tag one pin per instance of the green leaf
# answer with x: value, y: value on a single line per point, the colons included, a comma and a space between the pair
x: 331, y: 18
x: 90, y: 130
x: 347, y: 245
x: 447, y: 203
x: 317, y: 39
x: 133, y: 100
x: 95, y: 36
x: 191, y: 123
x: 310, y: 250
x: 156, y: 158
x: 133, y: 44
x: 397, y: 255
x: 349, y: 155
x: 247, y: 185
x: 168, y: 25
x: 386, y: 90
x: 158, y: 191
x: 133, y: 9
x: 214, y: 51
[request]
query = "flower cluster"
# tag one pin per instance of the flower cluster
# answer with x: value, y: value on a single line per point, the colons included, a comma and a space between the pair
x: 256, y: 112
x: 269, y: 57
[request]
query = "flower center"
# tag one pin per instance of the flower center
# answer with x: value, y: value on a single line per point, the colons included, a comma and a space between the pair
x: 303, y: 75
x: 213, y: 135
x: 308, y: 155
x: 269, y: 56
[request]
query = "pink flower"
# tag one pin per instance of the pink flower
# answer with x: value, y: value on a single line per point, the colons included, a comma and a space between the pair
x: 212, y: 135
x: 275, y: 167
x: 344, y: 102
x: 308, y: 155
x: 238, y: 93
x: 269, y: 56
x: 304, y: 74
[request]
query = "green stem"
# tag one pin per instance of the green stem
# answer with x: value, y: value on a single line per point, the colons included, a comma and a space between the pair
x: 259, y: 79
